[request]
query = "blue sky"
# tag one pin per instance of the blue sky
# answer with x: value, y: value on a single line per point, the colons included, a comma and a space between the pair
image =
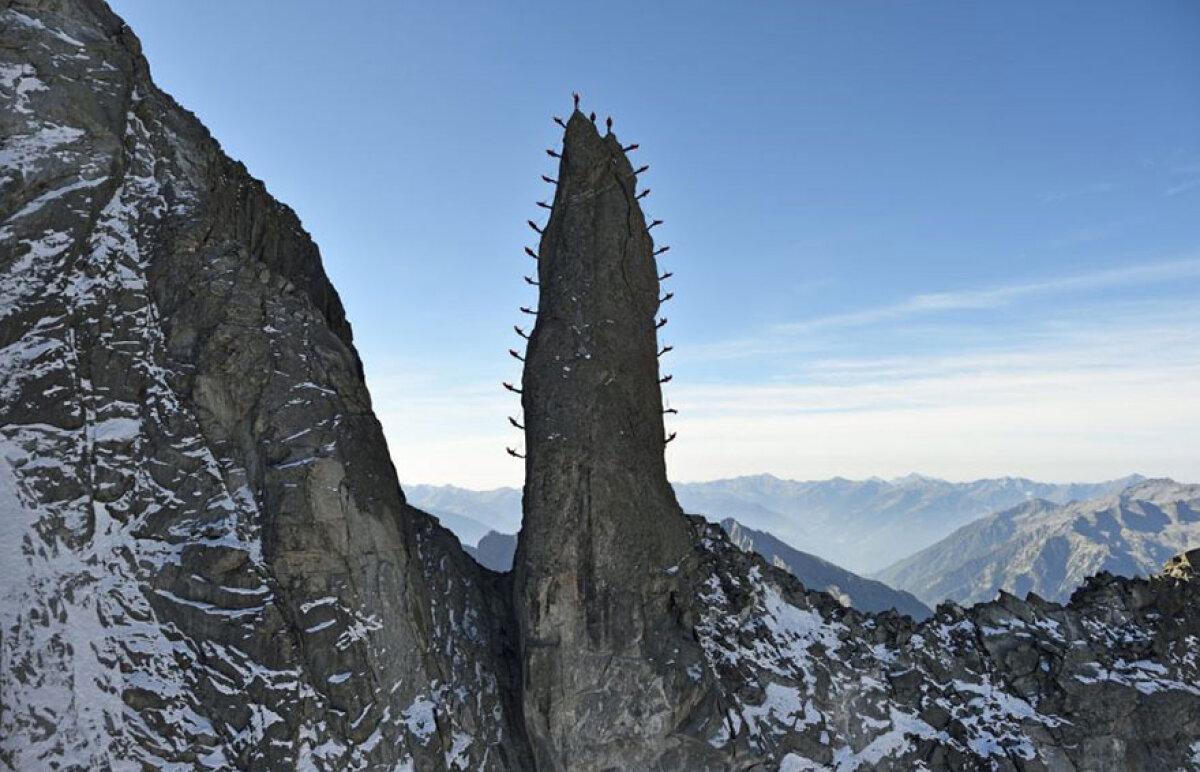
x: 956, y: 238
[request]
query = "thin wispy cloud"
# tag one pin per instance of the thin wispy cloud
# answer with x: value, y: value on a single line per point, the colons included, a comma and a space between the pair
x: 787, y: 338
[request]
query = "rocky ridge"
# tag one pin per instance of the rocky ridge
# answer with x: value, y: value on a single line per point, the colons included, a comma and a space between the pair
x: 209, y: 563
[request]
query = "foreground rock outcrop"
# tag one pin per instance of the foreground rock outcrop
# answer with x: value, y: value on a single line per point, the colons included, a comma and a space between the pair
x: 208, y: 563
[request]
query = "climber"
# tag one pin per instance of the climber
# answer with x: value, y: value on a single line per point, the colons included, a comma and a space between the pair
x: 670, y: 410
x: 641, y: 169
x: 529, y: 311
x: 666, y: 297
x: 575, y: 95
x: 608, y: 124
x: 665, y: 276
x: 660, y: 250
x: 631, y: 148
x: 530, y: 282
x: 670, y: 437
x: 544, y: 205
x: 660, y: 323
x: 552, y: 154
x: 533, y: 225
x: 665, y: 349
x: 559, y: 121
x: 531, y: 253
x: 551, y: 180
x: 515, y: 355
x: 666, y: 379
x: 513, y: 421
x: 592, y: 117
x: 643, y: 194
x: 514, y: 453
x: 511, y: 388
x: 654, y: 224
x: 520, y: 332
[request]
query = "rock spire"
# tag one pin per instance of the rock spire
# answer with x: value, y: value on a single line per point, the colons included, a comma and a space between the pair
x: 602, y: 529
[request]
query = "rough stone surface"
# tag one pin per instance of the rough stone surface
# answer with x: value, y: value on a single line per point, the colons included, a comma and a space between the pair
x: 206, y: 561
x: 602, y: 662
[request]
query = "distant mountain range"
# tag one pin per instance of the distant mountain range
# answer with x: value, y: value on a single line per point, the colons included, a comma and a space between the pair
x: 863, y: 525
x: 1050, y: 548
x: 495, y: 551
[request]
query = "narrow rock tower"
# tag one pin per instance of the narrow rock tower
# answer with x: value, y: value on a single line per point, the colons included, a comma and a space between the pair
x: 602, y: 530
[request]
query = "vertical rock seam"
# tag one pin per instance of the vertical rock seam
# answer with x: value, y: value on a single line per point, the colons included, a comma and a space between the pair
x: 602, y: 530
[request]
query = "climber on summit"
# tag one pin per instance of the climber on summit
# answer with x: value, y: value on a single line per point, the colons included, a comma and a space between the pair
x: 608, y: 124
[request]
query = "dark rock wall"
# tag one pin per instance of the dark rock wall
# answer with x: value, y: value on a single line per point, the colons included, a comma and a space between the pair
x: 601, y: 524
x: 213, y: 561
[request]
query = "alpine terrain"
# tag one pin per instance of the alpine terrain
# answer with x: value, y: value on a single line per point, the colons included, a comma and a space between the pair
x: 1051, y: 548
x: 209, y: 563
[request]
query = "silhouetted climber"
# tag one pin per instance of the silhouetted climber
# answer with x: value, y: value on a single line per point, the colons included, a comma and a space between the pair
x: 661, y: 323
x: 512, y: 388
x: 665, y: 349
x: 631, y: 148
x: 661, y: 250
x: 670, y: 437
x: 513, y: 353
x: 666, y: 297
x: 654, y: 224
x: 575, y: 96
x: 592, y: 117
x: 665, y: 276
x: 544, y: 205
x: 671, y: 411
x: 552, y: 154
x: 530, y: 282
x: 641, y: 169
x: 514, y: 453
x: 529, y: 311
x: 513, y: 421
x: 560, y: 121
x: 643, y: 194
x: 533, y: 225
x: 531, y: 253
x: 551, y: 180
x: 666, y: 379
x: 608, y: 124
x: 520, y: 332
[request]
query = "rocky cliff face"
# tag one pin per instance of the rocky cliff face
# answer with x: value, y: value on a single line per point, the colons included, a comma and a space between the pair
x: 208, y: 559
x: 208, y: 564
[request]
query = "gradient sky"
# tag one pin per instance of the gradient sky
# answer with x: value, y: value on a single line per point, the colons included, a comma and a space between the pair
x: 958, y: 238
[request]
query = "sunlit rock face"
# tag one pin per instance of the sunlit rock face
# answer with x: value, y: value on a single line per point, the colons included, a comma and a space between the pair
x: 206, y: 561
x: 207, y: 557
x: 604, y: 663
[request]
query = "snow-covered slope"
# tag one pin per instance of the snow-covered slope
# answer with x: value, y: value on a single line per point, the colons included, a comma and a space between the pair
x: 1049, y: 548
x: 205, y: 548
x: 816, y: 574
